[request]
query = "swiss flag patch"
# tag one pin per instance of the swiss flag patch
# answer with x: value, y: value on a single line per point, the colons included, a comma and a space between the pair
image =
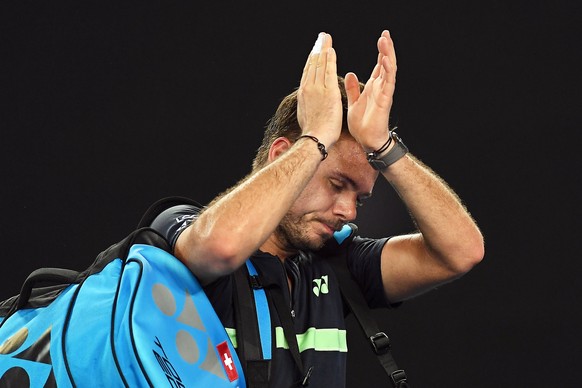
x: 227, y: 361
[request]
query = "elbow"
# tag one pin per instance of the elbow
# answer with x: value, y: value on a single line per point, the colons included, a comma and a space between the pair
x: 222, y: 254
x: 208, y: 254
x: 471, y: 254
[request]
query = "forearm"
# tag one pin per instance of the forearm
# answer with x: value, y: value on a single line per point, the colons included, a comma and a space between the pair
x: 448, y: 231
x: 236, y: 225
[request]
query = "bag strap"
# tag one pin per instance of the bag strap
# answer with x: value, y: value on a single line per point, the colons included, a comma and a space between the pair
x: 262, y: 309
x: 49, y: 276
x: 356, y: 302
x: 379, y: 340
x: 253, y: 330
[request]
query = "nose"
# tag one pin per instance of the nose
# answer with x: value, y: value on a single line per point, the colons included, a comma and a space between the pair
x: 345, y: 208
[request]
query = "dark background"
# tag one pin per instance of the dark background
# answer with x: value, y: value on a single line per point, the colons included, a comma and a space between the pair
x: 108, y: 106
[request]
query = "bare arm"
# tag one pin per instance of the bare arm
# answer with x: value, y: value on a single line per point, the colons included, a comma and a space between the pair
x: 236, y: 225
x: 449, y: 242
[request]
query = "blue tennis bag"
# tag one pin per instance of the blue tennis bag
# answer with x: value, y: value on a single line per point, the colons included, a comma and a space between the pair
x: 136, y: 318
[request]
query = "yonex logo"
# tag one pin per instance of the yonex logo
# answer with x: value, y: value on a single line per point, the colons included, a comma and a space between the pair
x: 36, y: 358
x: 187, y: 343
x: 320, y: 286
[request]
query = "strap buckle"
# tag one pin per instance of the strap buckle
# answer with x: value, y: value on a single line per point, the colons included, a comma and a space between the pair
x: 380, y: 342
x: 398, y: 378
x: 255, y: 282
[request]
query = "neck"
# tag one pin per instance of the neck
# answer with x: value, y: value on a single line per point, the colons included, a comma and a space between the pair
x: 274, y: 246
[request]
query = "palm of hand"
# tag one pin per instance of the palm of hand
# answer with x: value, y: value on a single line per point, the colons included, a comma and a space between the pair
x: 369, y: 110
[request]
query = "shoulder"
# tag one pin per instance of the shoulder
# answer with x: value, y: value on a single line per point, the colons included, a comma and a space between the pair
x: 348, y: 241
x: 173, y: 220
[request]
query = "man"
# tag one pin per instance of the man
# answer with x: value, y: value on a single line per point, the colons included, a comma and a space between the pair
x: 310, y: 173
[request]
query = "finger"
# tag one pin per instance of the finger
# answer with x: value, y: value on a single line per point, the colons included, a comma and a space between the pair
x: 388, y: 57
x: 386, y: 46
x: 382, y: 54
x: 390, y: 71
x: 305, y: 70
x: 352, y: 86
x: 381, y: 66
x: 319, y: 43
x: 311, y: 61
x: 324, y: 58
x: 314, y: 58
x: 331, y: 68
x: 376, y: 70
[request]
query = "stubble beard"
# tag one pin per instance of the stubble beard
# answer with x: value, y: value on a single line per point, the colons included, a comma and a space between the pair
x: 293, y: 234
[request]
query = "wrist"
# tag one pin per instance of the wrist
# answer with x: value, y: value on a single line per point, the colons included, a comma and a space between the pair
x: 385, y: 147
x: 392, y: 151
x: 320, y: 146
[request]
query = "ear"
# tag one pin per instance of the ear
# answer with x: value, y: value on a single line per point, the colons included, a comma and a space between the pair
x: 278, y: 148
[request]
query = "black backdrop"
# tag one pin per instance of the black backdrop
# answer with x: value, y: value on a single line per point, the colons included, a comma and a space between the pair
x: 108, y: 106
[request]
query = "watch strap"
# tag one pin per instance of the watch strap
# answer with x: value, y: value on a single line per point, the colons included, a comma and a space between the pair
x: 397, y: 152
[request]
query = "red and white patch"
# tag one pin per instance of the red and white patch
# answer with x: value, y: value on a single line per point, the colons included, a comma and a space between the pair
x: 227, y: 361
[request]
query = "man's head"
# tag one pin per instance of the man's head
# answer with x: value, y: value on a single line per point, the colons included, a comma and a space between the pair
x: 330, y: 198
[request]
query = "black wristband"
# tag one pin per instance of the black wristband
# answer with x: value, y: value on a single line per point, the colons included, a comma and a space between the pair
x: 320, y: 146
x: 397, y: 152
x: 386, y: 145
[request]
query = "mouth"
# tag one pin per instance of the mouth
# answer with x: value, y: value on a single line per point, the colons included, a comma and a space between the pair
x: 328, y: 229
x: 331, y: 228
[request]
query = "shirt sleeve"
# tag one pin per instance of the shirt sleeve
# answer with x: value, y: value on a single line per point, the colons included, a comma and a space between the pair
x: 172, y: 221
x: 364, y: 262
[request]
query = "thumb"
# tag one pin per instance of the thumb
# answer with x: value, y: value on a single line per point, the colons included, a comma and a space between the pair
x: 352, y: 88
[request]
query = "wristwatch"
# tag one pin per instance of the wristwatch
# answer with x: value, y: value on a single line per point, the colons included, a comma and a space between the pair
x: 397, y: 152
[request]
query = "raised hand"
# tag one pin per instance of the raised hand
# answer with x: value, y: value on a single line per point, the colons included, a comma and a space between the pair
x: 319, y: 107
x: 369, y: 111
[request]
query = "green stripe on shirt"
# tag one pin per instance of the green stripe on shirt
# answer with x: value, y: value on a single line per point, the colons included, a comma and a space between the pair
x: 323, y: 340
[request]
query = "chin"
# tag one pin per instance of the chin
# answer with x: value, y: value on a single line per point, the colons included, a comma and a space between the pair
x: 314, y: 243
x: 318, y: 242
x: 301, y: 237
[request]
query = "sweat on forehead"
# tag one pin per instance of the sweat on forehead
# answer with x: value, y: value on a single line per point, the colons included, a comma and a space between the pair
x: 350, y: 160
x: 348, y: 147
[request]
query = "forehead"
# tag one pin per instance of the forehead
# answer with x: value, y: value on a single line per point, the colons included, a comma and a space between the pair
x: 347, y: 160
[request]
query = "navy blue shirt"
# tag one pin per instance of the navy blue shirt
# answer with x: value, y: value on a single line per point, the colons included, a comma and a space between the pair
x: 315, y: 301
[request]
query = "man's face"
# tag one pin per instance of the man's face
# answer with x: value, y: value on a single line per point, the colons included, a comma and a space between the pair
x: 330, y: 198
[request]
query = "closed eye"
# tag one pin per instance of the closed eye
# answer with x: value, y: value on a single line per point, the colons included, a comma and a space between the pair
x: 339, y: 186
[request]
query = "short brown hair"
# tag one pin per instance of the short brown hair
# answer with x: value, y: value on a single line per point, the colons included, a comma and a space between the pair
x: 284, y: 123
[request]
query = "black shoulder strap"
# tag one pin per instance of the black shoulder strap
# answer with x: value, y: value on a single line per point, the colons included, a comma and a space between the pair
x: 379, y: 341
x: 355, y: 300
x: 54, y: 281
x: 44, y: 285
